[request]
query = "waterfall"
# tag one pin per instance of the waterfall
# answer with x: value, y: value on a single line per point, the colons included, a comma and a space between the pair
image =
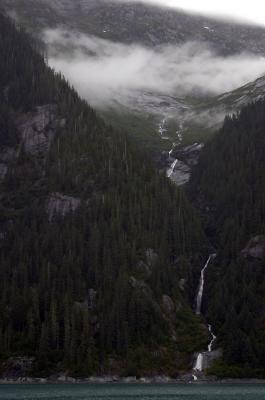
x: 162, y: 127
x: 199, y: 361
x: 180, y: 138
x: 210, y: 345
x: 172, y: 149
x: 171, y: 169
x: 198, y: 367
x: 201, y: 286
x: 179, y: 133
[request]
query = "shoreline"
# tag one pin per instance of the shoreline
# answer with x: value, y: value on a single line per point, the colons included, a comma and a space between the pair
x: 126, y: 381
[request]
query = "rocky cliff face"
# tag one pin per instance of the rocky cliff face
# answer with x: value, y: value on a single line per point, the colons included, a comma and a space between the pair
x: 17, y: 367
x: 255, y: 248
x: 7, y: 155
x: 60, y: 205
x: 38, y: 128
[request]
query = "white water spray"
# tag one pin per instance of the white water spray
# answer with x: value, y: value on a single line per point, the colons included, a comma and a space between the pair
x: 180, y: 138
x: 201, y: 286
x: 172, y: 167
x: 210, y: 345
x: 162, y: 128
x: 198, y: 367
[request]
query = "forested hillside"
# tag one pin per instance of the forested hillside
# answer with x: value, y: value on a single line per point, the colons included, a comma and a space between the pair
x: 229, y: 187
x: 100, y: 254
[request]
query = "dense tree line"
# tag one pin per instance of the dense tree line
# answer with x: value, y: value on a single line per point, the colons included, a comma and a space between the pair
x: 229, y: 187
x: 83, y: 293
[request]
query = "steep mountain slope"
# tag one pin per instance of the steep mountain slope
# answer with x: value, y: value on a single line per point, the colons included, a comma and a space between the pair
x: 229, y: 187
x: 100, y: 255
x: 155, y: 119
x: 199, y: 123
x: 131, y: 22
x: 208, y: 115
x: 236, y: 99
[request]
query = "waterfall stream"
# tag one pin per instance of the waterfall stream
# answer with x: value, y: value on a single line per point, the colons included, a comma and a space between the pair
x: 201, y: 286
x: 172, y: 167
x: 162, y: 127
x: 170, y: 170
x: 210, y: 345
x: 198, y: 367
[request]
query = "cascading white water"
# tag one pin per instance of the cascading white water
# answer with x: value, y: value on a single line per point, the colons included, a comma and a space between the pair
x: 162, y: 127
x: 179, y: 133
x: 172, y: 149
x: 199, y: 361
x: 201, y: 286
x: 179, y: 136
x: 210, y: 345
x: 171, y: 169
x: 198, y: 367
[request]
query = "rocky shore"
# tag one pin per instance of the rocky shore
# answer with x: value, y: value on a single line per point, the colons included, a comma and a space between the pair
x: 187, y: 379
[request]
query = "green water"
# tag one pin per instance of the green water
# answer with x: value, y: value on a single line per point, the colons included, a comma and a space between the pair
x: 131, y: 392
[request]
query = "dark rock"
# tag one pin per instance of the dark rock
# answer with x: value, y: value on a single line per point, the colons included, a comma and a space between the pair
x: 137, y: 284
x: 143, y: 269
x: 60, y: 204
x: 210, y: 357
x: 182, y: 283
x: 38, y: 128
x: 7, y: 156
x: 180, y: 173
x: 81, y: 305
x: 17, y: 367
x: 3, y: 171
x: 168, y: 304
x: 151, y: 257
x: 255, y: 248
x: 92, y: 294
x: 190, y: 154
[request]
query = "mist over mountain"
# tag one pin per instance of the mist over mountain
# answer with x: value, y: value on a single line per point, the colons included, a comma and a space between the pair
x: 105, y: 71
x: 147, y: 69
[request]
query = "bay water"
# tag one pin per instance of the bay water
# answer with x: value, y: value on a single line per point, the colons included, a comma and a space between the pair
x: 133, y: 392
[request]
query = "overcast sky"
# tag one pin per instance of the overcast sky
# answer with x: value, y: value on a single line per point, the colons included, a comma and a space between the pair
x: 249, y: 10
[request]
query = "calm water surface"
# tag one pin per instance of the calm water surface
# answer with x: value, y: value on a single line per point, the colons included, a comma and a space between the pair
x: 132, y: 392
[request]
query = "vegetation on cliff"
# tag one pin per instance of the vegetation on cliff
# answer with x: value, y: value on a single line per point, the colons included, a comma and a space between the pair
x: 97, y: 249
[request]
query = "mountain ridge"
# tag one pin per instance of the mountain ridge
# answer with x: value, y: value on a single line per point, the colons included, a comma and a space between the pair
x: 146, y: 24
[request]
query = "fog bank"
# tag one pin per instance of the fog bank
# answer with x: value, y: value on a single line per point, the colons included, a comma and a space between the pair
x: 104, y: 72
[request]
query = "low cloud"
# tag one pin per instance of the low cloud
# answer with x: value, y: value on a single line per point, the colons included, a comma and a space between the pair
x: 105, y: 72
